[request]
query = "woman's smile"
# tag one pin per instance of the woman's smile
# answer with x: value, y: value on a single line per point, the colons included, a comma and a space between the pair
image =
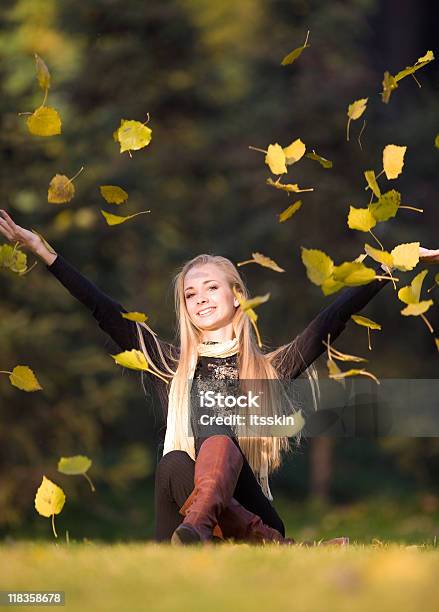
x: 205, y: 312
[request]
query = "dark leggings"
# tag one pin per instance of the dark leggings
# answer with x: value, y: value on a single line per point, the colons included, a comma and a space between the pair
x: 174, y: 482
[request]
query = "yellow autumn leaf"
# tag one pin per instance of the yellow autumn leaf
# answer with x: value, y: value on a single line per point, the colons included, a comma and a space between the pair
x: 43, y: 74
x: 247, y: 307
x: 365, y: 322
x: 275, y: 159
x: 133, y: 135
x: 389, y: 84
x: 262, y: 260
x: 140, y: 317
x: 381, y: 256
x: 355, y: 372
x: 255, y: 301
x: 13, y: 259
x: 410, y: 294
x: 295, y: 53
x: 436, y: 141
x: 61, y: 189
x: 23, y: 378
x: 420, y: 63
x: 372, y: 182
x: 336, y: 354
x: 46, y: 244
x: 290, y: 188
x: 294, y: 151
x: 319, y: 266
x: 353, y: 273
x: 49, y: 500
x: 393, y: 160
x: 133, y: 359
x: 75, y: 466
x: 416, y: 309
x: 406, y: 256
x: 45, y: 121
x: 354, y: 112
x: 116, y: 219
x: 326, y: 163
x: 386, y: 206
x: 330, y: 286
x: 289, y: 211
x: 113, y: 194
x: 361, y: 219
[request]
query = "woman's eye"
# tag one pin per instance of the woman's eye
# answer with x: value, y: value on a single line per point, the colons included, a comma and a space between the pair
x: 213, y: 287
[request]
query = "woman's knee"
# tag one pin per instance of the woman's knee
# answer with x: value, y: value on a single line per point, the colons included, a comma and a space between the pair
x: 172, y: 461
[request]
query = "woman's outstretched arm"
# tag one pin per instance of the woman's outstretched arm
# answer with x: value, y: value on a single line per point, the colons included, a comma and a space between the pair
x: 291, y: 359
x: 104, y: 309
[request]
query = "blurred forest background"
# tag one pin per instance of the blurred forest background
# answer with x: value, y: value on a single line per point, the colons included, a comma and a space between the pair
x: 209, y: 74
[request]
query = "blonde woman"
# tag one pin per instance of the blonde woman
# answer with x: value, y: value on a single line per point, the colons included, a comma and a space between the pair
x: 215, y: 486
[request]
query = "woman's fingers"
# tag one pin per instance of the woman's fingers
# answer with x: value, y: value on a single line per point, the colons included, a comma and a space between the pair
x: 7, y: 219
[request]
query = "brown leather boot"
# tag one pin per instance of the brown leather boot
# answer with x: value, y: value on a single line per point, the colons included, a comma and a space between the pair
x: 217, y: 469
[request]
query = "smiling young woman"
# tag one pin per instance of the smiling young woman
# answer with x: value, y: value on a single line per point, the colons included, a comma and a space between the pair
x: 214, y: 486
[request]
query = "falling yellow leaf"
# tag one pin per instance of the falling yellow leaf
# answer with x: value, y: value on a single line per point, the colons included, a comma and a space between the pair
x: 406, y: 256
x: 116, y: 219
x: 294, y: 151
x: 410, y: 294
x: 372, y: 182
x: 135, y: 360
x: 13, y: 259
x: 289, y: 212
x: 113, y: 194
x: 361, y: 219
x: 76, y: 465
x: 290, y: 188
x: 354, y: 112
x: 436, y: 141
x: 43, y: 74
x: 23, y: 378
x: 140, y: 317
x: 326, y: 163
x: 295, y: 53
x: 61, y: 189
x: 386, y: 206
x: 248, y: 305
x: 319, y: 266
x: 49, y: 500
x: 330, y: 286
x: 420, y: 62
x: 255, y: 301
x: 262, y: 260
x: 275, y: 159
x: 393, y: 160
x: 381, y: 256
x: 417, y: 309
x: 353, y: 273
x: 389, y: 84
x: 132, y: 135
x: 45, y: 121
x: 355, y: 372
x: 365, y: 322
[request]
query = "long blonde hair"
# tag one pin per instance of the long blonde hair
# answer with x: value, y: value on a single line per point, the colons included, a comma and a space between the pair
x: 253, y: 363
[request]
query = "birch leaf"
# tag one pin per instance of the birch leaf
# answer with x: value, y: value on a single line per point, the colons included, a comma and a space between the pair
x: 255, y: 301
x: 330, y: 286
x: 355, y: 372
x: 410, y: 294
x: 372, y: 182
x: 78, y: 464
x: 43, y: 74
x: 393, y: 160
x: 365, y: 322
x: 140, y: 317
x: 133, y: 135
x: 386, y: 206
x: 294, y: 151
x: 381, y: 256
x: 23, y: 378
x: 275, y: 159
x: 290, y: 188
x: 289, y: 212
x: 416, y: 309
x: 133, y: 359
x: 355, y: 110
x: 113, y: 194
x: 420, y: 63
x: 295, y: 53
x: 353, y: 273
x: 406, y: 256
x: 361, y: 219
x: 262, y: 260
x: 45, y: 121
x: 116, y: 219
x: 13, y: 259
x: 319, y: 266
x: 61, y: 189
x: 326, y: 163
x: 49, y: 500
x: 389, y: 84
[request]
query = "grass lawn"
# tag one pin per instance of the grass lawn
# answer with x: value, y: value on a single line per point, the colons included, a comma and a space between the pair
x: 149, y: 576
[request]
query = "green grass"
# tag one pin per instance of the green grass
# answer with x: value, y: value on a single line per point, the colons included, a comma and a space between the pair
x: 134, y: 577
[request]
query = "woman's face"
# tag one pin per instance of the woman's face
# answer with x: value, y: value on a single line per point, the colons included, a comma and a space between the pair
x: 209, y: 299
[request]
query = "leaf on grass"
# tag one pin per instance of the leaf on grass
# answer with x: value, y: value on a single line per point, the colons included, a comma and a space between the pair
x: 23, y: 378
x: 361, y: 219
x: 386, y: 206
x: 294, y: 152
x: 406, y: 256
x: 45, y: 121
x: 132, y: 135
x: 117, y: 219
x: 140, y: 317
x: 287, y: 187
x: 295, y: 53
x: 275, y: 159
x: 354, y: 112
x: 326, y: 163
x: 319, y: 266
x: 393, y: 160
x: 289, y: 212
x: 61, y: 189
x: 43, y: 74
x: 113, y: 194
x: 410, y: 294
x: 372, y: 182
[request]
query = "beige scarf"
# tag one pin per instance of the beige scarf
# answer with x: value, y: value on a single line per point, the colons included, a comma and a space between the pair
x: 176, y: 437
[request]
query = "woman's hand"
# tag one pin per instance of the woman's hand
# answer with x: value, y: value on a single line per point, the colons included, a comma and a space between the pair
x: 15, y: 233
x: 428, y: 256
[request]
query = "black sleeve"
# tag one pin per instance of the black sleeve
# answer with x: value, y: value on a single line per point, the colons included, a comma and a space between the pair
x: 293, y: 358
x: 104, y: 309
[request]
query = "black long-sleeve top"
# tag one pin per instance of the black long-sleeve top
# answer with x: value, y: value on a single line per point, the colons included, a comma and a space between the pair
x: 290, y: 360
